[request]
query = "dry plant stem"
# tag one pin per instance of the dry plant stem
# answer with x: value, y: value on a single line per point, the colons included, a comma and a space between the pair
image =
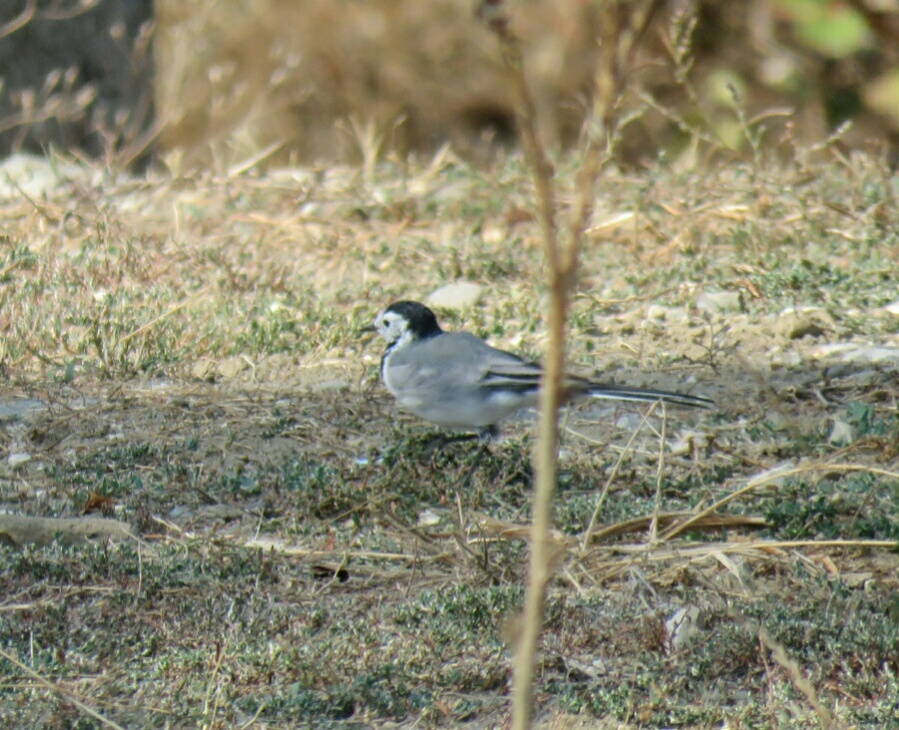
x: 765, y: 479
x: 660, y: 470
x: 545, y: 460
x: 624, y: 25
x: 168, y: 313
x: 800, y: 681
x: 546, y: 454
x: 562, y: 266
x: 535, y: 154
x: 66, y: 696
x: 591, y: 527
x: 20, y: 20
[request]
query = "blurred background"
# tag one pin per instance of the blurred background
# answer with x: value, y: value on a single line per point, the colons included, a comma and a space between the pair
x: 217, y: 83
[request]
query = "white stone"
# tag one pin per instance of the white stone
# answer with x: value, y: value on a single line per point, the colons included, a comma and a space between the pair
x: 459, y: 295
x: 841, y: 434
x: 16, y: 460
x: 34, y: 175
x: 666, y: 314
x: 719, y: 302
x: 848, y: 352
x: 230, y: 367
x: 682, y: 628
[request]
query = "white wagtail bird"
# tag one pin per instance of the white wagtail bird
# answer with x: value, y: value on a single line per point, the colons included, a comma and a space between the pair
x: 459, y: 382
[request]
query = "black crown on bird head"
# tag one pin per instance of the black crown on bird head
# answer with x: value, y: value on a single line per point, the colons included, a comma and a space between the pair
x: 422, y: 321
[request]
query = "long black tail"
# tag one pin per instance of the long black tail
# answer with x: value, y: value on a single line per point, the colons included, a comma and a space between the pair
x: 642, y: 395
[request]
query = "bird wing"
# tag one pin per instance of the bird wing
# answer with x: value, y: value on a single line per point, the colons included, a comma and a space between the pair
x: 459, y: 358
x: 511, y: 373
x: 448, y: 360
x: 517, y: 375
x: 454, y: 360
x: 508, y: 372
x: 504, y: 371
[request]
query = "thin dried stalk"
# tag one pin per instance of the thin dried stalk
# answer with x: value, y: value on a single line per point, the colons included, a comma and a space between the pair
x: 623, y: 26
x: 66, y: 695
x: 766, y: 478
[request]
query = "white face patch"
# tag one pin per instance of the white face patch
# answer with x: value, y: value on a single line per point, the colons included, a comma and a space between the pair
x: 391, y: 326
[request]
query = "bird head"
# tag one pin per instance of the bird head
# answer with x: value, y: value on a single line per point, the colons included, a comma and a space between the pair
x: 405, y: 321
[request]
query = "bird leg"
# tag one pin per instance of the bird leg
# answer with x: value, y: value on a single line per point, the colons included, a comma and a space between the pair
x: 487, y: 434
x: 436, y: 442
x: 485, y: 437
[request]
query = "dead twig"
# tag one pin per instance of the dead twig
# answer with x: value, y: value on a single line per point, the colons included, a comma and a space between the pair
x: 770, y: 477
x: 56, y: 689
x: 623, y: 26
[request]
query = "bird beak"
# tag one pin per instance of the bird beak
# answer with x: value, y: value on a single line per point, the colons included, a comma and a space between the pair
x: 366, y: 330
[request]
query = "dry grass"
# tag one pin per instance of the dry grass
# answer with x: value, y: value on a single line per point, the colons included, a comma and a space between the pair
x: 181, y: 354
x: 256, y: 494
x: 291, y: 82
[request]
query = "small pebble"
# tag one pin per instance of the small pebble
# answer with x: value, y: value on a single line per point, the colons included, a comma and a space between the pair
x: 666, y: 314
x: 719, y: 302
x: 848, y: 352
x: 231, y: 366
x: 459, y: 295
x: 841, y: 434
x: 16, y: 460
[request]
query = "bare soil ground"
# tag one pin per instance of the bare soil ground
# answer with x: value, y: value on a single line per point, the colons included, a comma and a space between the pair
x: 181, y: 357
